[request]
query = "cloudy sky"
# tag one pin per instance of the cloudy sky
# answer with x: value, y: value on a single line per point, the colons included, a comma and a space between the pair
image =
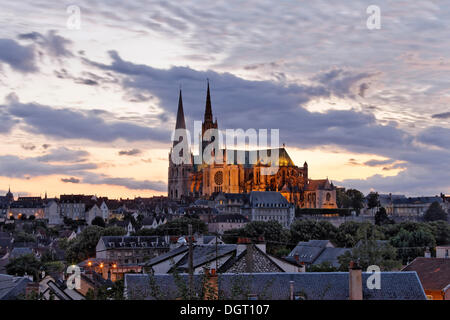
x: 90, y: 109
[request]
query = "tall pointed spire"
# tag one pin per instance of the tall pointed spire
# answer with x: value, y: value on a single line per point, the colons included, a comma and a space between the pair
x: 208, y: 108
x: 180, y: 114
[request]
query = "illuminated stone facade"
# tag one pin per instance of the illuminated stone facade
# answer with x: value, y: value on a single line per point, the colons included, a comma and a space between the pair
x: 192, y: 180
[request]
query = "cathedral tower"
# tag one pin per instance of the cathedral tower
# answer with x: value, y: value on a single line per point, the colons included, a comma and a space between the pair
x: 178, y: 185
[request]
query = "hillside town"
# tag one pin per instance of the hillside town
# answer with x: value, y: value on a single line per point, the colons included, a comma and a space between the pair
x: 126, y: 248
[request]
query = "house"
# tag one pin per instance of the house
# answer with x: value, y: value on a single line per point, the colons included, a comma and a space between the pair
x: 276, y: 286
x: 107, y: 270
x: 74, y: 206
x: 434, y: 274
x: 315, y: 252
x: 130, y: 249
x: 443, y: 252
x: 412, y: 207
x: 227, y: 221
x: 269, y: 205
x: 319, y: 194
x: 51, y: 289
x: 26, y: 207
x: 92, y: 211
x: 223, y: 257
x: 52, y: 212
x: 20, y: 251
x: 230, y: 202
x: 153, y: 222
x: 12, y: 288
x: 67, y: 234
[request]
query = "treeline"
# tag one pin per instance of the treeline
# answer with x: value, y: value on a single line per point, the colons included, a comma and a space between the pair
x: 410, y: 239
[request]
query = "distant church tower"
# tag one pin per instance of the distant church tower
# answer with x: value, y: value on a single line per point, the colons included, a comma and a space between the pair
x: 179, y: 173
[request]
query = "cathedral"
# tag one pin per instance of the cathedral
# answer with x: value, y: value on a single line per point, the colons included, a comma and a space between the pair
x: 191, y: 180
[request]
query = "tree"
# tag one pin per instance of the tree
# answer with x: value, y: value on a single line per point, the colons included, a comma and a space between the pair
x: 412, y: 244
x: 273, y: 233
x: 342, y: 199
x: 356, y: 199
x: 382, y: 218
x: 371, y: 252
x: 441, y: 232
x: 350, y: 233
x: 114, y: 231
x: 180, y: 227
x: 373, y: 200
x: 304, y: 230
x: 24, y: 237
x: 325, y: 266
x: 83, y: 246
x: 32, y: 217
x: 435, y: 212
x: 26, y: 264
x: 98, y: 221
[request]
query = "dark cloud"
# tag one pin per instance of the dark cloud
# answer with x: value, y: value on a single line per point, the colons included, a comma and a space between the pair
x: 63, y: 74
x: 444, y: 115
x: 20, y: 58
x: 28, y: 146
x: 15, y: 167
x: 341, y: 81
x: 375, y: 163
x: 46, y: 146
x: 64, y: 154
x: 132, y: 152
x: 129, y: 183
x: 436, y: 136
x: 269, y: 104
x: 54, y: 44
x: 78, y: 124
x: 70, y: 180
x: 363, y: 87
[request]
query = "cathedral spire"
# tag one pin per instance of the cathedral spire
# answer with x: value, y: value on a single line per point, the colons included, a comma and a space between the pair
x: 180, y: 114
x: 208, y: 108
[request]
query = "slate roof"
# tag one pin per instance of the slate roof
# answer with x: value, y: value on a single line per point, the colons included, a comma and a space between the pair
x: 316, y: 252
x: 331, y: 255
x: 434, y: 273
x: 275, y: 286
x: 203, y: 254
x: 229, y: 218
x: 18, y: 252
x: 166, y: 255
x: 322, y: 184
x: 139, y: 241
x: 11, y: 287
x: 418, y: 200
x: 267, y: 199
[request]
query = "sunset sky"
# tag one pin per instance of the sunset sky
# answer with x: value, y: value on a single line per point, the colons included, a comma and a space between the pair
x: 91, y: 110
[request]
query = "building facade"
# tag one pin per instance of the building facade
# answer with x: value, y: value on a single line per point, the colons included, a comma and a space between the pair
x: 228, y: 175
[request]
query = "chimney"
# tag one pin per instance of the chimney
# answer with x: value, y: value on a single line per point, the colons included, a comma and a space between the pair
x: 211, y: 285
x: 291, y: 290
x: 427, y: 253
x: 355, y: 282
x: 302, y: 267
